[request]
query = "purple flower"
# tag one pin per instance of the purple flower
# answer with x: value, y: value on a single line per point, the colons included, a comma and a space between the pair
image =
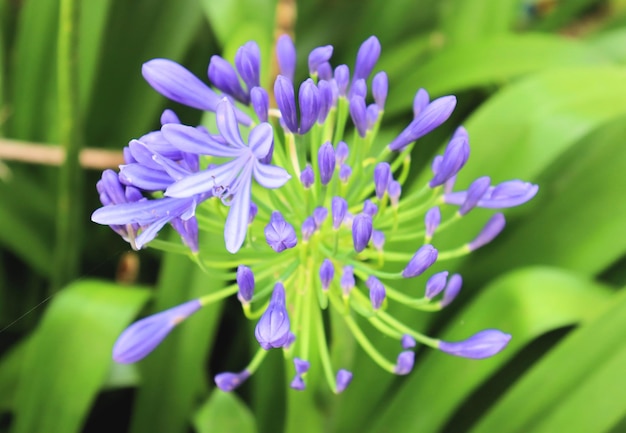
x: 260, y: 102
x: 326, y: 162
x: 427, y: 120
x: 142, y: 337
x: 344, y: 173
x: 273, y: 329
x: 404, y: 363
x: 377, y: 291
x: 423, y: 259
x: 245, y: 281
x: 347, y: 280
x: 308, y: 228
x: 436, y: 284
x: 342, y: 77
x: 286, y: 101
x: 233, y: 178
x: 229, y: 381
x: 394, y: 189
x: 358, y: 112
x: 301, y: 365
x: 178, y: 84
x: 307, y: 177
x: 326, y: 100
x: 474, y: 193
x: 339, y: 207
x: 286, y: 55
x: 224, y: 77
x: 341, y: 152
x: 344, y: 377
x: 366, y: 58
x: 452, y: 289
x: 370, y: 208
x: 248, y: 63
x: 309, y: 100
x: 432, y: 220
x: 378, y: 239
x: 327, y: 272
x: 507, y: 194
x: 361, y: 231
x: 492, y: 228
x: 407, y: 341
x: 481, y: 345
x: 298, y: 383
x: 279, y: 234
x: 454, y: 158
x: 319, y: 56
x: 382, y: 174
x: 420, y: 102
x: 320, y: 214
x: 380, y: 86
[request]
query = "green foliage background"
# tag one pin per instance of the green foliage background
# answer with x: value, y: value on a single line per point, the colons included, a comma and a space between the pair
x: 542, y: 90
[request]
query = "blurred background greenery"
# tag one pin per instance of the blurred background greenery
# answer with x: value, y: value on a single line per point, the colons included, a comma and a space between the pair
x: 541, y: 86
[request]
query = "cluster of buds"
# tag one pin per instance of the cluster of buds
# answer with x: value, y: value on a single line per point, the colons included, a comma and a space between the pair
x: 309, y: 203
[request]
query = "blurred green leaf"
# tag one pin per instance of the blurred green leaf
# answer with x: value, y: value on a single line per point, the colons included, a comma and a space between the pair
x: 563, y: 13
x: 612, y: 43
x: 471, y: 20
x: 224, y: 412
x: 174, y: 375
x: 10, y: 366
x: 581, y: 382
x: 578, y: 217
x: 491, y: 61
x: 69, y: 355
x: 525, y: 303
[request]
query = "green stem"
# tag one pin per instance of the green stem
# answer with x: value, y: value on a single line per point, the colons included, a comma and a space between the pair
x: 69, y: 204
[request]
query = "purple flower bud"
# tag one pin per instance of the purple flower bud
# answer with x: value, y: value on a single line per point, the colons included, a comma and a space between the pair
x: 371, y: 115
x: 344, y: 173
x: 423, y: 259
x: 430, y: 118
x: 378, y: 239
x: 286, y: 55
x: 342, y: 77
x: 404, y: 363
x: 420, y: 102
x: 454, y: 158
x: 361, y: 231
x: 168, y: 116
x: 407, y: 341
x: 326, y: 162
x: 382, y: 173
x: 474, y: 193
x: 325, y: 71
x: 260, y: 102
x: 273, y: 328
x: 245, y: 281
x: 370, y: 208
x: 380, y: 86
x: 327, y: 272
x: 297, y: 383
x: 254, y: 209
x: 347, y: 280
x: 341, y: 152
x: 224, y: 77
x: 507, y: 194
x: 318, y: 56
x: 358, y: 113
x: 143, y: 336
x: 394, y: 189
x: 188, y: 231
x: 366, y: 58
x: 326, y: 101
x: 489, y: 232
x: 229, y: 381
x: 248, y: 64
x: 319, y: 215
x: 279, y: 234
x: 436, y: 284
x: 481, y: 345
x: 307, y: 177
x: 309, y: 99
x: 286, y: 101
x: 452, y: 290
x: 377, y: 291
x: 339, y: 207
x: 359, y: 88
x: 308, y: 228
x: 301, y: 365
x: 432, y: 220
x: 344, y: 377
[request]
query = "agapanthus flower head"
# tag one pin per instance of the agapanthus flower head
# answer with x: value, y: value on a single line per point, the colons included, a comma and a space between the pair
x: 289, y: 259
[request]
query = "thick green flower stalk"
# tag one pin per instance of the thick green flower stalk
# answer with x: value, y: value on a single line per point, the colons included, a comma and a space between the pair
x: 311, y: 208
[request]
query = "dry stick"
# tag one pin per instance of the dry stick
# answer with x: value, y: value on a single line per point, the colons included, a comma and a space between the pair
x: 34, y: 153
